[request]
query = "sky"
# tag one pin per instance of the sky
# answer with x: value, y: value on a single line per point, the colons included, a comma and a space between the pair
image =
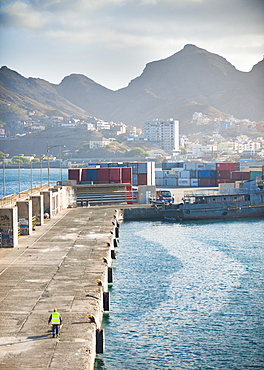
x: 111, y: 41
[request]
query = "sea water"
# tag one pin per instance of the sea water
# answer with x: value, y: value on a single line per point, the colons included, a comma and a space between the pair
x: 187, y: 296
x: 13, y: 180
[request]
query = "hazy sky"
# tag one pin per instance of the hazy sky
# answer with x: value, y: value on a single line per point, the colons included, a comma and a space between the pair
x: 110, y: 41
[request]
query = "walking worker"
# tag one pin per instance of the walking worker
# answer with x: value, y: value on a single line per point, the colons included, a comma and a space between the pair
x: 55, y: 320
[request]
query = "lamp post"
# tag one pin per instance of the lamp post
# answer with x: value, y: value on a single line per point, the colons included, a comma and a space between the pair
x: 4, y: 177
x: 48, y: 150
x: 19, y: 176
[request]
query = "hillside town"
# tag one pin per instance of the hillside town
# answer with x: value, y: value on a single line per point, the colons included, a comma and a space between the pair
x: 206, y: 139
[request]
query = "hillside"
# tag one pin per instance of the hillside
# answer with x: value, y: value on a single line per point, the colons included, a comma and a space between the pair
x: 191, y: 80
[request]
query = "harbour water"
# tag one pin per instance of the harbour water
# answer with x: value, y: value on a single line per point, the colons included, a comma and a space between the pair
x: 15, y: 179
x: 187, y: 296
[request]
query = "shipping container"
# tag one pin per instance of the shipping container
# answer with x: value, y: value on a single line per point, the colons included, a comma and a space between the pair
x: 115, y: 174
x: 262, y: 170
x: 169, y: 181
x: 171, y: 165
x: 184, y: 182
x: 224, y: 181
x: 239, y: 175
x: 193, y: 174
x: 210, y: 166
x: 143, y: 167
x: 83, y: 174
x: 170, y: 173
x: 75, y: 174
x: 142, y: 179
x: 255, y: 174
x: 103, y: 174
x: 226, y: 166
x: 126, y: 173
x: 189, y: 166
x: 158, y: 173
x: 134, y: 166
x: 207, y: 182
x: 206, y: 174
x: 184, y: 174
x: 199, y: 166
x: 92, y: 174
x: 134, y: 179
x: 159, y: 181
x: 223, y: 174
x: 194, y: 182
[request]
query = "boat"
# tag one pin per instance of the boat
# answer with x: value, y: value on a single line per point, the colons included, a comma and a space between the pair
x: 246, y: 201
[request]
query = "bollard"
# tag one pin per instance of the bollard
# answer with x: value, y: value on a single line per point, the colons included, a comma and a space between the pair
x: 110, y: 275
x: 106, y: 301
x: 115, y: 243
x: 99, y: 341
x: 113, y: 254
x: 117, y: 232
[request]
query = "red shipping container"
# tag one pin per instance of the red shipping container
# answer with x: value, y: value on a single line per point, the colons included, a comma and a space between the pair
x: 103, y: 174
x: 126, y: 174
x: 239, y: 175
x: 206, y: 182
x: 224, y: 181
x: 83, y: 174
x: 142, y: 179
x: 223, y: 174
x: 115, y: 174
x: 226, y: 166
x: 74, y: 174
x: 262, y: 170
x: 101, y: 182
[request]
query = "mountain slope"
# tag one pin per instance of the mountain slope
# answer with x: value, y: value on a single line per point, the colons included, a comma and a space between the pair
x: 191, y: 80
x: 34, y: 93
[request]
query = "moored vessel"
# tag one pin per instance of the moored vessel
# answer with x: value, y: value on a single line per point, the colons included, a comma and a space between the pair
x: 245, y: 201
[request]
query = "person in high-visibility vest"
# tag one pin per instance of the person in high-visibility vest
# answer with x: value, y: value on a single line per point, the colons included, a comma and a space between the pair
x: 55, y: 320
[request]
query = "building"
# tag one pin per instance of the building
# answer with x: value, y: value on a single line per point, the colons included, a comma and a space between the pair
x: 163, y: 133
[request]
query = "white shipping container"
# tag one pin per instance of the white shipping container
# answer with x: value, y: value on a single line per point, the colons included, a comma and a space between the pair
x: 184, y: 174
x: 184, y: 182
x: 194, y: 182
x: 169, y: 181
x: 159, y: 181
x: 158, y: 173
x: 199, y: 166
x: 210, y: 166
x: 189, y: 166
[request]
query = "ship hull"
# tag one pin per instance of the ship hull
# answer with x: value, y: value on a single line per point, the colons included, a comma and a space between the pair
x: 209, y: 213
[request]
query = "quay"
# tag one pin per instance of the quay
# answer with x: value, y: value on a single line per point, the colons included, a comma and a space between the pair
x: 57, y: 266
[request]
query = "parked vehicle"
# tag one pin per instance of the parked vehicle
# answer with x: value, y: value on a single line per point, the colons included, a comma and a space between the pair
x: 162, y: 197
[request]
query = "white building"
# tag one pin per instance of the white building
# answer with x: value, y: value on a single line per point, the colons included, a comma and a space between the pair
x: 163, y: 133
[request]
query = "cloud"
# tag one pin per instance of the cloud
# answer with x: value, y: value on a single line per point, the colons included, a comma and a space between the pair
x: 103, y: 37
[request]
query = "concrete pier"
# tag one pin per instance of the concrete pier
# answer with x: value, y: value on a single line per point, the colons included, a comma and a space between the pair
x: 57, y: 266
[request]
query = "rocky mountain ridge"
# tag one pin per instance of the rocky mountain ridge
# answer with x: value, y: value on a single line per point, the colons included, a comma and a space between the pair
x: 191, y: 80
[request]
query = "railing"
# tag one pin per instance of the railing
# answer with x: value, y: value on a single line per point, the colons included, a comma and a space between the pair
x: 11, y: 200
x: 84, y: 200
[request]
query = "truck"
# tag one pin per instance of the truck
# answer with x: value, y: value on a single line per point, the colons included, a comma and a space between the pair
x: 162, y: 197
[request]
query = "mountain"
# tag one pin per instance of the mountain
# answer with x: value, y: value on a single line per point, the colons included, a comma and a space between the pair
x: 33, y: 93
x: 192, y: 80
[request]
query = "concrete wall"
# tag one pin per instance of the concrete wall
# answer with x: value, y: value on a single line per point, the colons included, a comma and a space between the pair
x: 24, y: 209
x: 8, y: 227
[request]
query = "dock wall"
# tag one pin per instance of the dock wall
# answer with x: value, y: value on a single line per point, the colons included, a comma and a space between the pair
x: 67, y: 264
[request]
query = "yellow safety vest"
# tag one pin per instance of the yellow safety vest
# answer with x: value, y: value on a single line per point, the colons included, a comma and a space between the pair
x: 55, y: 318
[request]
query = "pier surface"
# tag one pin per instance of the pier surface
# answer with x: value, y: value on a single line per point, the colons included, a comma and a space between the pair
x: 55, y: 267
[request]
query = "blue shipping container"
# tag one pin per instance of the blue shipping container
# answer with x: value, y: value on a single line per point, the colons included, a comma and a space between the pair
x: 206, y: 174
x: 91, y: 174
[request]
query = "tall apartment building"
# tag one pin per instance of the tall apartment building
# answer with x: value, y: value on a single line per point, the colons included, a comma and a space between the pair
x: 163, y: 133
